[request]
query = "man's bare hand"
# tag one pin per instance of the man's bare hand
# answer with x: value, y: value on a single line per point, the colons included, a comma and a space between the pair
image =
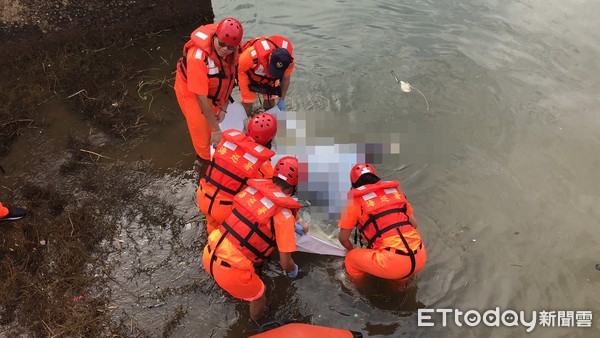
x: 221, y: 116
x: 215, y: 138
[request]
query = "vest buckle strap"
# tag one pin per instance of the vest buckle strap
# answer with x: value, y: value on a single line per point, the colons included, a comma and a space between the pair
x: 222, y: 262
x: 403, y: 253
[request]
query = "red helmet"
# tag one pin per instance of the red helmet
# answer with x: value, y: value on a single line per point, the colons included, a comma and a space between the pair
x: 287, y: 169
x: 230, y: 31
x: 359, y: 169
x: 262, y: 128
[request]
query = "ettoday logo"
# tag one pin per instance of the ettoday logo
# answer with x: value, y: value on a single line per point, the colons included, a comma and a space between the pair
x: 496, y: 318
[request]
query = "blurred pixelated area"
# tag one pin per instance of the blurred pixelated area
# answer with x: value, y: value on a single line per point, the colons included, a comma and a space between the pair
x: 328, y: 149
x: 328, y: 160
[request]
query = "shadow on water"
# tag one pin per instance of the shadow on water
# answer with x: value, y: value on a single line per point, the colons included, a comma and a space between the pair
x: 388, y: 295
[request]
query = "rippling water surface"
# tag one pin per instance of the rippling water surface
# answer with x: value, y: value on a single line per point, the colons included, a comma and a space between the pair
x: 502, y: 170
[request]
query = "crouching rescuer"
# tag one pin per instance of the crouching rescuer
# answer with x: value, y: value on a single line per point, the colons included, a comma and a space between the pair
x: 263, y: 219
x: 384, y: 219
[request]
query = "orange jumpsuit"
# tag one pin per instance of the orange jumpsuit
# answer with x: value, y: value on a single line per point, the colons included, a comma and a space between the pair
x: 3, y: 210
x: 237, y: 159
x: 201, y: 72
x: 253, y: 64
x: 388, y: 256
x: 229, y: 261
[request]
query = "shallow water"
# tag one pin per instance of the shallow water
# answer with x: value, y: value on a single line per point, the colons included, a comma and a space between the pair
x: 502, y: 170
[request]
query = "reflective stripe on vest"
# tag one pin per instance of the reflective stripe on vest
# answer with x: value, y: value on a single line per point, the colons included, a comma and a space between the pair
x: 250, y: 226
x: 214, y: 71
x: 384, y: 207
x: 236, y: 159
x: 386, y: 227
x: 247, y: 241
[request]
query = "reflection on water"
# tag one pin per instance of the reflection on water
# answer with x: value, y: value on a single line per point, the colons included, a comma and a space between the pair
x: 393, y: 296
x: 501, y: 170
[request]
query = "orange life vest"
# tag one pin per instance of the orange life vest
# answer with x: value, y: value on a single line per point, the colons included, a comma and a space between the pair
x: 383, y: 212
x: 307, y: 330
x: 236, y: 160
x: 263, y: 47
x: 221, y: 73
x: 250, y: 227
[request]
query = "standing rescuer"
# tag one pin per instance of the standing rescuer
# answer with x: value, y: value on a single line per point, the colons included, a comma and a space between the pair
x: 237, y: 158
x: 262, y: 219
x: 384, y: 218
x: 265, y: 67
x: 205, y: 78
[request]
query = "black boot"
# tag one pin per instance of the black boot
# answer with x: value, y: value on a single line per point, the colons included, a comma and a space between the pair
x: 14, y: 214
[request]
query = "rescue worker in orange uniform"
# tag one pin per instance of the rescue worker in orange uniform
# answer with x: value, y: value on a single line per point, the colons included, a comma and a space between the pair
x: 11, y: 214
x: 384, y: 218
x: 205, y: 78
x: 263, y: 219
x: 237, y: 158
x: 265, y: 67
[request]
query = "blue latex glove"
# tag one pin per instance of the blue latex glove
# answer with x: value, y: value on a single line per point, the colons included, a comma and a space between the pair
x: 299, y: 229
x: 281, y: 104
x: 294, y: 273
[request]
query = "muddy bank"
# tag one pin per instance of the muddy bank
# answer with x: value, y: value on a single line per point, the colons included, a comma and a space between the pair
x: 66, y: 107
x: 28, y: 27
x: 72, y: 39
x: 54, y: 273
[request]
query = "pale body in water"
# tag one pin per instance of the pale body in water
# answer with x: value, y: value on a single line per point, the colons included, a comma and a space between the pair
x: 327, y: 169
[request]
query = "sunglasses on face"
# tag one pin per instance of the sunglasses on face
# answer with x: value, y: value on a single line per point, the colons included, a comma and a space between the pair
x: 224, y: 45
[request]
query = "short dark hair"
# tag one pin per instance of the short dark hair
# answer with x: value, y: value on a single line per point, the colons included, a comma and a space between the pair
x: 281, y: 184
x: 270, y: 144
x: 366, y: 179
